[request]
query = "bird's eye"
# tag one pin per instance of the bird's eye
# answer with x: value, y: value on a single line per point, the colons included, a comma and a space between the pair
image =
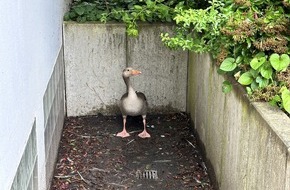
x: 128, y: 70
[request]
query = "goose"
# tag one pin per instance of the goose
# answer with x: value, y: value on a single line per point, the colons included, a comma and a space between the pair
x: 132, y: 103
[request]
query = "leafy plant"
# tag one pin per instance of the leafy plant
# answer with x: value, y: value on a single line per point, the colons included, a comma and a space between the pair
x: 127, y: 11
x: 197, y: 29
x: 260, y: 31
x: 248, y: 38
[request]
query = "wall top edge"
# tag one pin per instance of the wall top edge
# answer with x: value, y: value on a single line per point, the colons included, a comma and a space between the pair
x: 278, y: 121
x: 116, y: 23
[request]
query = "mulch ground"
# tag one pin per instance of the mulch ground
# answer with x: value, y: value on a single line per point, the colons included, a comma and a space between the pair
x: 92, y: 157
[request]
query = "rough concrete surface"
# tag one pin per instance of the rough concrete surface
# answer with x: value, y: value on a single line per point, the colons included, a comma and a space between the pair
x: 164, y: 71
x: 94, y: 58
x: 95, y: 55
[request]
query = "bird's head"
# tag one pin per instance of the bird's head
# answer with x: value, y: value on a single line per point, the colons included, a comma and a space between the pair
x: 129, y: 72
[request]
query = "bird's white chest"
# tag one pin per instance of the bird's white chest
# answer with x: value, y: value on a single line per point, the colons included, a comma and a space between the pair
x: 132, y: 105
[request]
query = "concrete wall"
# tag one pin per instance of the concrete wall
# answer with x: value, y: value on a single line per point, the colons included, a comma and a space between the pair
x: 31, y: 91
x: 247, y: 143
x: 96, y: 54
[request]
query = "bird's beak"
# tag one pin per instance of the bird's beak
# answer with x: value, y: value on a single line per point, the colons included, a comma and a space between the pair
x: 136, y: 72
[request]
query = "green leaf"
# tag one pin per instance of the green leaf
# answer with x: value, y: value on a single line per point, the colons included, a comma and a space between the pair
x: 254, y: 85
x: 266, y: 71
x: 66, y: 16
x: 132, y: 32
x: 286, y: 100
x: 81, y: 19
x: 254, y: 73
x: 150, y: 4
x: 257, y: 62
x: 279, y: 63
x: 249, y: 90
x: 249, y: 43
x: 89, y: 7
x: 227, y: 87
x: 80, y: 10
x: 239, y: 59
x: 262, y: 82
x: 246, y: 78
x: 275, y: 100
x: 72, y: 15
x: 260, y: 54
x: 137, y: 7
x: 142, y: 18
x: 228, y: 64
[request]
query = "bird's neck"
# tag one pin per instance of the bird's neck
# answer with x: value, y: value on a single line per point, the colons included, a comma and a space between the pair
x: 130, y: 89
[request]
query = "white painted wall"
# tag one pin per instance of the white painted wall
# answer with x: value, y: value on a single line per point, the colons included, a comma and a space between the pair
x: 30, y: 40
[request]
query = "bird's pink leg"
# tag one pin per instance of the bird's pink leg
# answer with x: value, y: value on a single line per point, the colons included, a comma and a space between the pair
x: 144, y: 133
x: 123, y: 133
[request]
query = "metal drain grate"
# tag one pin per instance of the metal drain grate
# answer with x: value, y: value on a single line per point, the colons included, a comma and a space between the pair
x: 147, y: 174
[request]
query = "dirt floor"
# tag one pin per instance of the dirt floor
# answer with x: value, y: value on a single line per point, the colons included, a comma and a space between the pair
x: 92, y: 157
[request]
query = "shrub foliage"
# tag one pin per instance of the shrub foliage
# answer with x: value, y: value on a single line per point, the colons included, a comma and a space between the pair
x: 127, y: 11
